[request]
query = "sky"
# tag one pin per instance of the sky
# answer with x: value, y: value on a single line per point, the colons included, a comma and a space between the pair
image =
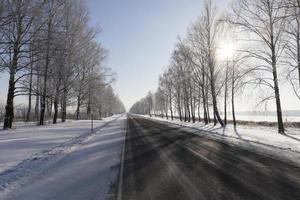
x: 140, y: 36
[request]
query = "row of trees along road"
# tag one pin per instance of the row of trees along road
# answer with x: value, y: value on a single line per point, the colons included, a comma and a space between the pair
x: 265, y: 40
x: 51, y: 56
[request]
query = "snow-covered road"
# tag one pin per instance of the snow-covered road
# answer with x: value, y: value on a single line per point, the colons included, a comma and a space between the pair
x: 62, y: 162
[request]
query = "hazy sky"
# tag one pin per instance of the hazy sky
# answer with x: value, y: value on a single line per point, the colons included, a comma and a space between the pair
x: 140, y: 35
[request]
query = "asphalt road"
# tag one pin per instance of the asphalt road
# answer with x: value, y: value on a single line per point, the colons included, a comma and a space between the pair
x: 162, y: 162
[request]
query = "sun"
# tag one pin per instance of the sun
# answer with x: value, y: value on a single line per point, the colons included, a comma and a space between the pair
x: 225, y: 51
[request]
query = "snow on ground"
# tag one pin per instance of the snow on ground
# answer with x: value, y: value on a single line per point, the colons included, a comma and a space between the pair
x: 24, y: 143
x: 265, y: 118
x: 30, y: 155
x: 22, y: 124
x: 287, y: 117
x: 263, y: 140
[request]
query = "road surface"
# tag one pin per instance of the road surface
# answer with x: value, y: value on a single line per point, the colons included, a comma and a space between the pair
x: 162, y: 162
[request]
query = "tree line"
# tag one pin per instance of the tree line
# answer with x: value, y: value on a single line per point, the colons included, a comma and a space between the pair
x: 197, y: 84
x: 51, y: 56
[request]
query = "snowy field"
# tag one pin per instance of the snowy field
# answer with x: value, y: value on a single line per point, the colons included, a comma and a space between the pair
x: 264, y: 140
x: 35, y: 155
x: 265, y: 118
x: 22, y: 124
x: 26, y: 142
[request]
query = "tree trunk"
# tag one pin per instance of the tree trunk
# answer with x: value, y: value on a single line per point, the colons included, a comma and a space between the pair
x: 207, y: 103
x: 199, y: 114
x: 276, y: 87
x: 37, y: 100
x: 9, y: 108
x: 171, y: 109
x: 278, y: 103
x: 298, y: 45
x: 188, y: 109
x: 56, y: 100
x: 185, y: 110
x: 208, y: 112
x: 29, y: 94
x: 78, y: 108
x: 277, y: 98
x: 179, y: 104
x: 232, y: 96
x: 55, y: 111
x: 215, y: 106
x: 205, y: 117
x: 64, y: 105
x: 192, y: 106
x: 43, y: 99
x: 43, y: 109
x: 49, y: 107
x: 88, y: 107
x: 225, y: 95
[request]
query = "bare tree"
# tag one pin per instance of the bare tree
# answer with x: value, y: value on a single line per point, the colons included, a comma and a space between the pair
x: 51, y: 55
x: 210, y: 31
x: 149, y: 99
x: 16, y: 33
x: 165, y: 94
x: 265, y: 21
x: 292, y: 41
x: 50, y: 7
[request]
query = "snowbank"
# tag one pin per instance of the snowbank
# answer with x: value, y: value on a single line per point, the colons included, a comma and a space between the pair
x: 25, y: 143
x: 40, y: 161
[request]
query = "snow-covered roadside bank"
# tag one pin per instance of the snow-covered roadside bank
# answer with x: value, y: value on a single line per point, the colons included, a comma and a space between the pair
x: 88, y: 171
x: 264, y: 140
x: 80, y: 169
x: 30, y: 124
x: 28, y: 142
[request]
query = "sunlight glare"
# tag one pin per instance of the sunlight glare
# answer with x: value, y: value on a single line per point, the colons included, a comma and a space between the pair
x: 225, y: 51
